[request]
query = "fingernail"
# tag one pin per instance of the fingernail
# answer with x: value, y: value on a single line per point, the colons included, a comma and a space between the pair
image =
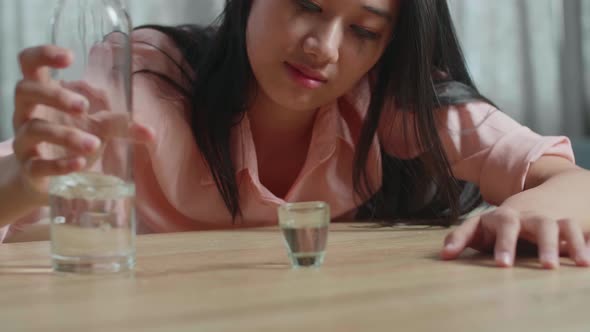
x: 73, y: 164
x: 449, y: 246
x: 505, y: 258
x: 550, y: 259
x: 151, y: 130
x: 80, y: 105
x: 61, y: 57
x: 91, y: 143
x: 583, y: 257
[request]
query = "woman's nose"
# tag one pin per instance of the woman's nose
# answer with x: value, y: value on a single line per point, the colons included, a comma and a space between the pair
x: 323, y: 44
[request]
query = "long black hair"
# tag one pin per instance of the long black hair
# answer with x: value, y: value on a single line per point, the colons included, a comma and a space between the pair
x: 422, y: 70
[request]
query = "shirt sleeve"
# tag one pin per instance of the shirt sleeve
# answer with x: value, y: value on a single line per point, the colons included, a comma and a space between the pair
x: 484, y: 146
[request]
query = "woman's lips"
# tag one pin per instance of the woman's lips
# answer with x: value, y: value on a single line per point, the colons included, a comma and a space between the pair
x: 304, y: 78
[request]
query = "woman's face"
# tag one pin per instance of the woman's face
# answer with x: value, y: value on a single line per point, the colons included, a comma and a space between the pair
x: 306, y: 53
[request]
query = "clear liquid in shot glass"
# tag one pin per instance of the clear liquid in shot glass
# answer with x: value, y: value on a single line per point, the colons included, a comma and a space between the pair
x: 305, y: 230
x: 306, y: 245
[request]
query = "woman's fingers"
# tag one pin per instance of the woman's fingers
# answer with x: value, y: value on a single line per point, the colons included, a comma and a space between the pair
x: 29, y: 94
x: 97, y: 95
x: 546, y: 234
x: 505, y: 224
x: 572, y: 233
x: 36, y: 61
x: 460, y: 238
x: 37, y: 131
x: 78, y: 141
x: 499, y: 228
x: 551, y: 237
x: 77, y: 129
x: 39, y: 168
x: 142, y: 134
x: 109, y: 124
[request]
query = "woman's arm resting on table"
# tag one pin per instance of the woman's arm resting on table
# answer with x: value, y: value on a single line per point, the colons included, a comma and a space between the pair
x: 553, y: 211
x: 557, y: 189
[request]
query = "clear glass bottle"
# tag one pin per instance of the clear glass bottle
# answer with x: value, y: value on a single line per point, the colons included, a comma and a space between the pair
x: 92, y: 211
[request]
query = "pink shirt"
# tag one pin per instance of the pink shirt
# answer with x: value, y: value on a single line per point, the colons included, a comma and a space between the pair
x: 175, y: 190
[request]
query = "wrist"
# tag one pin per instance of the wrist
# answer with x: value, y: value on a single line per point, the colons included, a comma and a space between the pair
x: 19, y: 187
x: 529, y: 201
x: 561, y: 197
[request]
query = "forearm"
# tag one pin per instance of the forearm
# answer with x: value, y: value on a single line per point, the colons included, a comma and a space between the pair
x: 15, y: 200
x: 565, y: 195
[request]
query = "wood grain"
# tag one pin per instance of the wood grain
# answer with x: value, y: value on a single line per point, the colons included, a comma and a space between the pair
x: 374, y: 279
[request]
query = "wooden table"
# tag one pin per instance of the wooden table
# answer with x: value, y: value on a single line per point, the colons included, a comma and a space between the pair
x: 374, y: 279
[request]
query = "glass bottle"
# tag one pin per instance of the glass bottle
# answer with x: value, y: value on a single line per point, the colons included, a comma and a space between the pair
x: 92, y: 211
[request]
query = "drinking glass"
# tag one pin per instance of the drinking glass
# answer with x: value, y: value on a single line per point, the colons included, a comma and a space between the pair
x: 305, y: 230
x: 92, y: 211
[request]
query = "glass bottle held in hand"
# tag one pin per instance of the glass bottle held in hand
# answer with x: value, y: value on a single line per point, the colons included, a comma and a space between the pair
x: 92, y: 211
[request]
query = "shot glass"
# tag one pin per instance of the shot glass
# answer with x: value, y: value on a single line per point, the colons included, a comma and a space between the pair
x: 305, y: 229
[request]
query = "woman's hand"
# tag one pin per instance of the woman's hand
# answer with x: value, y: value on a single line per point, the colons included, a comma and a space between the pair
x: 498, y: 231
x: 38, y: 98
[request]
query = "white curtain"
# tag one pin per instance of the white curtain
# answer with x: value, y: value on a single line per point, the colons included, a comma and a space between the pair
x: 531, y: 57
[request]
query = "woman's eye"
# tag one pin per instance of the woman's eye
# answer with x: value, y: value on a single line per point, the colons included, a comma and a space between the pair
x: 364, y: 33
x: 309, y: 6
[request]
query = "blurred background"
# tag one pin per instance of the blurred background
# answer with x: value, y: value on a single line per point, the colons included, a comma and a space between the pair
x: 531, y: 57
